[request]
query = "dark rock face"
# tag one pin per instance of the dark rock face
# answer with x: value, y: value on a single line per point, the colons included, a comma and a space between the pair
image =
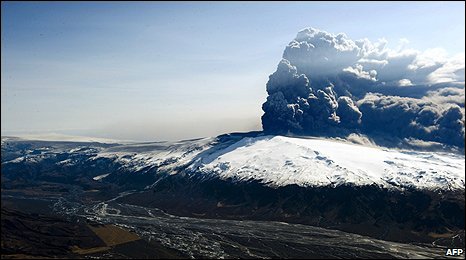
x: 369, y: 210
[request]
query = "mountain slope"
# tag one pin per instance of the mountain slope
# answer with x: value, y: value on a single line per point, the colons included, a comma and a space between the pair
x: 280, y: 161
x: 388, y: 194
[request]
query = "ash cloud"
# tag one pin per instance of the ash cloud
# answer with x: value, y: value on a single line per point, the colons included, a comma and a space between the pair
x: 330, y: 83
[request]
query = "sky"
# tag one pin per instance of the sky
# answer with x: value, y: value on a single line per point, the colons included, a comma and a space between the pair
x: 150, y: 71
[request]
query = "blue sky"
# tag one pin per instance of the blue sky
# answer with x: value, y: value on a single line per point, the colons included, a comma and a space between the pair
x: 167, y: 71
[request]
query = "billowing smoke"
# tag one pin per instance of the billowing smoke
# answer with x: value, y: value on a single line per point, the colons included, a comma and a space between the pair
x: 330, y: 83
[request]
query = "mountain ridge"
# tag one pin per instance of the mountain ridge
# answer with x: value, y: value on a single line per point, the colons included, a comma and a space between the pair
x: 214, y: 178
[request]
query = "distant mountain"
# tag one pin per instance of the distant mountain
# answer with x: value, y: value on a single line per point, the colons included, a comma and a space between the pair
x: 385, y: 193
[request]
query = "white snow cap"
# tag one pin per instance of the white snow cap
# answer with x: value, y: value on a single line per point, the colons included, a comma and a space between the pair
x: 279, y: 161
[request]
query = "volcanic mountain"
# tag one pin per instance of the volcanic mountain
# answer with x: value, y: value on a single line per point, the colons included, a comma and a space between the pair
x: 391, y: 194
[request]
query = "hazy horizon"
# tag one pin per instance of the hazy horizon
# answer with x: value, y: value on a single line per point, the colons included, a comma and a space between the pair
x: 170, y: 71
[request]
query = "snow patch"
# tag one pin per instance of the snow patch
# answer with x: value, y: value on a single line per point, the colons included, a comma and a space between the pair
x: 280, y: 161
x: 100, y: 177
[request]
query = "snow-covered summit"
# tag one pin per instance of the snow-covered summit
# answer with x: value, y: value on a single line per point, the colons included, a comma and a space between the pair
x: 273, y: 160
x: 280, y: 161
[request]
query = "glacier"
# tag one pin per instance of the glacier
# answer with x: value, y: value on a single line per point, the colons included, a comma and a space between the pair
x: 273, y: 160
x: 308, y: 162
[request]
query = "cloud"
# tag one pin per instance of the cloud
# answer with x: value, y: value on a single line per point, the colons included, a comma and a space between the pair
x: 409, y: 117
x: 318, y: 53
x: 349, y: 113
x: 327, y: 82
x: 446, y: 95
x: 359, y: 72
x: 404, y: 82
x: 402, y: 44
x: 360, y: 139
x: 321, y: 53
x: 451, y: 70
x: 288, y: 81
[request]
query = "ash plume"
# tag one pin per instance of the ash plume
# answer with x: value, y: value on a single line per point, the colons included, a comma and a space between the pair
x: 330, y: 83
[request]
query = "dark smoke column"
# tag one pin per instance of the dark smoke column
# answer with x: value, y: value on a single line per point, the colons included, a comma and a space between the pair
x: 328, y: 83
x: 292, y: 105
